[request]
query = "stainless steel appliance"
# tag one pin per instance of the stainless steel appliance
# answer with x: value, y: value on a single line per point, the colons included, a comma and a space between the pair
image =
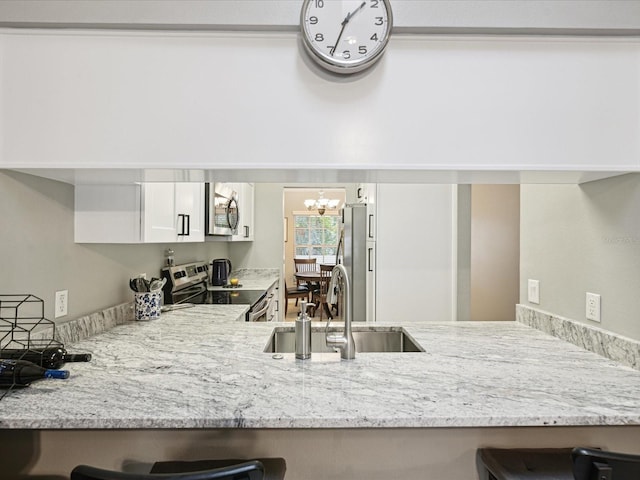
x: 356, y: 251
x: 220, y: 271
x: 188, y: 284
x: 221, y: 209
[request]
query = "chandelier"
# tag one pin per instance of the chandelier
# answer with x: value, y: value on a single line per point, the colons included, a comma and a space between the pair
x: 321, y: 204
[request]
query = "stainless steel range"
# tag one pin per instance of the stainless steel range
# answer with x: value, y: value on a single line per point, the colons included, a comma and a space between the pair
x: 188, y: 284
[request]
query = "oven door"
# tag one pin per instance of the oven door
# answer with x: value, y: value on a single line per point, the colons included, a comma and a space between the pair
x: 222, y: 212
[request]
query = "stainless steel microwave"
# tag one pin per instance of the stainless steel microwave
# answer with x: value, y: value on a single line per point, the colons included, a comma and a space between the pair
x: 221, y: 209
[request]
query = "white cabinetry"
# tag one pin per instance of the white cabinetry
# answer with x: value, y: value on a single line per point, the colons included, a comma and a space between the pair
x: 143, y: 213
x: 416, y: 252
x: 366, y: 193
x: 246, y: 207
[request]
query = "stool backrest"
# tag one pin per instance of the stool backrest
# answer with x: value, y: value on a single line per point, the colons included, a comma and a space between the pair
x: 252, y: 470
x: 591, y: 463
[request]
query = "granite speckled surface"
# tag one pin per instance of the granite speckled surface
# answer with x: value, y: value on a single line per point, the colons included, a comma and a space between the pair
x: 88, y: 325
x: 201, y: 368
x: 610, y: 345
x: 253, y: 278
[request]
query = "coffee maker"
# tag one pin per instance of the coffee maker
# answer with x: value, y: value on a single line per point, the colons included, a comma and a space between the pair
x: 220, y: 271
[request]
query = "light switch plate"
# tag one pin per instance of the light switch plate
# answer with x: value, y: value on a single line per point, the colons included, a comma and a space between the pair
x: 533, y: 291
x: 593, y: 307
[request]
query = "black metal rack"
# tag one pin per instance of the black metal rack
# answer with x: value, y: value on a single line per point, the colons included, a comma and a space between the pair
x: 23, y: 326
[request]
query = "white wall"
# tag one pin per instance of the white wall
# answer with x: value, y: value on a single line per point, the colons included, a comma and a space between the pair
x: 584, y: 238
x: 416, y: 253
x: 155, y: 101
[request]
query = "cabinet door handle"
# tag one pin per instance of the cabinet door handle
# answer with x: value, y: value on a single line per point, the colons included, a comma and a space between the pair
x: 181, y: 218
x: 369, y: 267
x: 359, y: 194
x: 188, y: 225
x: 246, y: 231
x: 371, y: 225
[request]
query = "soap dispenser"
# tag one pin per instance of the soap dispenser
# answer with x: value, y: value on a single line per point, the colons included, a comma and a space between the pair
x: 303, y: 332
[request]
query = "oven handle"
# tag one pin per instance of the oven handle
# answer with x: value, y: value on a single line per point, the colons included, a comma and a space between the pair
x: 262, y: 308
x: 200, y: 291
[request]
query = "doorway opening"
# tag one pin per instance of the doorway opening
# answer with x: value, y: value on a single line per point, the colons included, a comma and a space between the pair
x: 311, y: 231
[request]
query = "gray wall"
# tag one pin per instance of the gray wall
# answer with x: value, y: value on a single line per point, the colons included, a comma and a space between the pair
x: 40, y: 257
x: 584, y: 238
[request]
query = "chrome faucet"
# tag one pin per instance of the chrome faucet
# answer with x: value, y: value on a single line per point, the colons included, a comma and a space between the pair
x: 343, y: 342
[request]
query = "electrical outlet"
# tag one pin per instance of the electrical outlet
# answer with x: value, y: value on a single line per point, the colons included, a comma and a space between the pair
x: 533, y: 291
x: 593, y: 307
x: 61, y: 305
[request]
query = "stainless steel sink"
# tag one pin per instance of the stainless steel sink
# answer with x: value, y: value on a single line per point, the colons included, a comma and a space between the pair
x: 378, y: 339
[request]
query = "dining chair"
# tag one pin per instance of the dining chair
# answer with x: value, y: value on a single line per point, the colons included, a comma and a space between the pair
x: 319, y: 296
x: 305, y: 265
x: 298, y: 292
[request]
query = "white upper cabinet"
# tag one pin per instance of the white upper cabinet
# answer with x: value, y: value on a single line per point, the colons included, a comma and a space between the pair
x: 173, y: 212
x: 142, y: 213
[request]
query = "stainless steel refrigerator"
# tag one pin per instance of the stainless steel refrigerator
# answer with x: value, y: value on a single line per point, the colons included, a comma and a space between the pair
x: 356, y: 251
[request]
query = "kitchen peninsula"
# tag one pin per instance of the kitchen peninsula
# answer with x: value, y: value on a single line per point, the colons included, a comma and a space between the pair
x: 199, y: 377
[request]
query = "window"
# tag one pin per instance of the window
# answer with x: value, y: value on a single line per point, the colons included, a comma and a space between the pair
x: 316, y: 236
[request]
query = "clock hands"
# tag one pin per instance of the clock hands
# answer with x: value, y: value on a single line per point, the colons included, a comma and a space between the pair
x: 344, y: 24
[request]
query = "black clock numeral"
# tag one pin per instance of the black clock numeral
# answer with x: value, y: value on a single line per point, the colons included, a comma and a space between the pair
x: 362, y: 50
x: 374, y: 3
x: 313, y: 20
x: 346, y: 54
x: 319, y: 37
x: 374, y: 37
x: 379, y: 21
x: 319, y: 3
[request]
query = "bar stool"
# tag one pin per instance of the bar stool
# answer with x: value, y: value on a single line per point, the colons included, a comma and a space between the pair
x: 226, y: 469
x: 591, y: 463
x: 274, y: 468
x: 524, y: 464
x: 243, y: 471
x: 579, y: 463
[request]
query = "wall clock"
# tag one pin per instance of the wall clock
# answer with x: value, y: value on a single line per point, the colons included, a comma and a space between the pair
x: 346, y: 36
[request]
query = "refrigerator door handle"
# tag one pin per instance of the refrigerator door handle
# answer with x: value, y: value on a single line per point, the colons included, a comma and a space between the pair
x: 340, y: 246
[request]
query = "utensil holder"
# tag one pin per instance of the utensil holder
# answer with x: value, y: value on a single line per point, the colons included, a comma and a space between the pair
x: 147, y: 305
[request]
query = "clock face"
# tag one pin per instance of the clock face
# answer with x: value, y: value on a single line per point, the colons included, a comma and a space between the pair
x: 346, y: 36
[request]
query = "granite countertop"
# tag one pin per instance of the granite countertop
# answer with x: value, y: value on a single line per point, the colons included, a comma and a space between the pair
x: 201, y: 368
x: 252, y: 279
